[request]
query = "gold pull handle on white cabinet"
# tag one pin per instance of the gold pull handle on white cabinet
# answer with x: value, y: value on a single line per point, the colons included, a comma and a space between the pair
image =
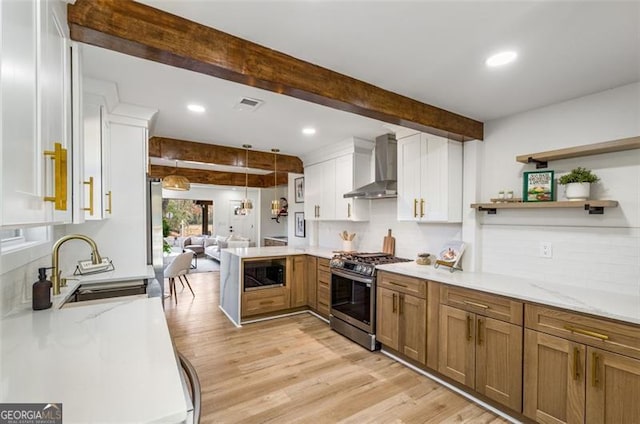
x: 90, y: 184
x: 415, y: 208
x: 109, y: 208
x: 59, y: 157
x: 421, y: 208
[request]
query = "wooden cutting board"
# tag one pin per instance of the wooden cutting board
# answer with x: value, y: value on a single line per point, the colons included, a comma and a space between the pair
x: 389, y: 244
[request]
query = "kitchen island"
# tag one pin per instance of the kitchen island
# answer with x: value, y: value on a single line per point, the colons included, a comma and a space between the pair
x: 231, y: 272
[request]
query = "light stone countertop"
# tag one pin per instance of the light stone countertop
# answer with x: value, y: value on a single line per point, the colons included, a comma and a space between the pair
x: 109, y: 362
x: 595, y: 302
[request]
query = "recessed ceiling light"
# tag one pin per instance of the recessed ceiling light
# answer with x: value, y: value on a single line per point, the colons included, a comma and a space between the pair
x: 501, y: 58
x: 196, y: 108
x: 308, y: 131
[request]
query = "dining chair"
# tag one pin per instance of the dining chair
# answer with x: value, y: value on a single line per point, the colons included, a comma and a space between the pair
x: 179, y: 267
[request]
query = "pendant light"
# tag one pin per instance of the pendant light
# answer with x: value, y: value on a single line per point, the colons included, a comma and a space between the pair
x: 246, y: 205
x: 275, y: 203
x: 176, y: 182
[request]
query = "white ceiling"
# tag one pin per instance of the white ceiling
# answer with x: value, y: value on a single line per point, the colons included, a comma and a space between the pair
x: 432, y: 51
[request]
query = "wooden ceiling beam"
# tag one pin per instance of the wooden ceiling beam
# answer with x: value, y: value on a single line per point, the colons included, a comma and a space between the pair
x: 169, y: 148
x: 143, y: 31
x: 236, y: 179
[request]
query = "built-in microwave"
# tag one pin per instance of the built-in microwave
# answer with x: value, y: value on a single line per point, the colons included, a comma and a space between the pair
x: 264, y: 273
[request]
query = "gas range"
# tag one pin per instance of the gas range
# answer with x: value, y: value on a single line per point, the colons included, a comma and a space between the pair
x: 363, y: 264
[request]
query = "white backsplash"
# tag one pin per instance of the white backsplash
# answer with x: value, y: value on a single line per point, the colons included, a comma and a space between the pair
x: 596, y: 258
x: 15, y: 285
x: 411, y: 238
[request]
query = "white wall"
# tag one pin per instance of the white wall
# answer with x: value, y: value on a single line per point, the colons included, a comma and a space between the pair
x: 269, y: 226
x: 598, y: 251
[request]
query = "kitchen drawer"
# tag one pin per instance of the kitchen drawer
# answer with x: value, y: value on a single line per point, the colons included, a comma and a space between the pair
x: 323, y: 264
x: 324, y: 277
x: 488, y: 305
x: 596, y: 332
x: 263, y: 301
x: 323, y: 300
x: 403, y: 284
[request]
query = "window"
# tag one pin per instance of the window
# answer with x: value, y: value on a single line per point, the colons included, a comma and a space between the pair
x: 21, y: 246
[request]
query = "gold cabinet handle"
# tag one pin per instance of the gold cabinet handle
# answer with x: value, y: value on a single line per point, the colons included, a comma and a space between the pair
x: 59, y: 157
x: 421, y: 208
x: 594, y: 369
x: 586, y: 332
x: 415, y: 208
x: 400, y: 302
x: 469, y: 327
x: 109, y: 209
x: 266, y: 302
x: 479, y: 305
x: 576, y: 363
x: 479, y: 331
x: 394, y: 297
x: 348, y: 210
x: 90, y: 184
x: 396, y: 284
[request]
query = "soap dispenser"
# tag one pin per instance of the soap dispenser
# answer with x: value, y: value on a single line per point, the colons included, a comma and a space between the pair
x: 41, y: 296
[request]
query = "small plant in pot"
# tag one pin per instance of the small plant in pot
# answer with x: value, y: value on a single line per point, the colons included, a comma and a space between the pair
x: 578, y: 183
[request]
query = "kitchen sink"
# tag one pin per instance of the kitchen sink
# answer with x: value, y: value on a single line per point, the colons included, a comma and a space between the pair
x: 118, y: 291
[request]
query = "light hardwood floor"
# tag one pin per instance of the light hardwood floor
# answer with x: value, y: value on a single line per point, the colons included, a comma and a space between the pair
x: 296, y: 370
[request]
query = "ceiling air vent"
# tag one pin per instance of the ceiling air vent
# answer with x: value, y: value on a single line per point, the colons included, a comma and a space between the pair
x: 247, y: 103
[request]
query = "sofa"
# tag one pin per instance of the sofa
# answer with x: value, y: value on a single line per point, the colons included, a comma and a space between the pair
x: 213, y: 245
x: 194, y: 243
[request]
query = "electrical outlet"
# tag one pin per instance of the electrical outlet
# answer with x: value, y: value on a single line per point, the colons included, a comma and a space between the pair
x: 546, y: 249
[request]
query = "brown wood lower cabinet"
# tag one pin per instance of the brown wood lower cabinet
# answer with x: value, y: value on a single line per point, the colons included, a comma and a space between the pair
x: 324, y: 287
x: 402, y: 323
x: 297, y: 266
x: 569, y: 382
x: 482, y: 353
x: 264, y: 301
x: 312, y: 281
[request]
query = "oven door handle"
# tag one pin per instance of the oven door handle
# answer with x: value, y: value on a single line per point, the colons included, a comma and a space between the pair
x: 364, y: 280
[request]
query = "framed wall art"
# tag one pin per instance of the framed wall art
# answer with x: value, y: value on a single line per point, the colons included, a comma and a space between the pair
x: 298, y: 185
x: 538, y: 186
x: 299, y: 224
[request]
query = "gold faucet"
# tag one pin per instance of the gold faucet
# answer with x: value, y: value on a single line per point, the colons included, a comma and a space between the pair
x: 55, y: 277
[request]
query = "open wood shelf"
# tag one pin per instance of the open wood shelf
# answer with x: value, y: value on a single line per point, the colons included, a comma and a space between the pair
x: 595, y: 207
x: 541, y: 158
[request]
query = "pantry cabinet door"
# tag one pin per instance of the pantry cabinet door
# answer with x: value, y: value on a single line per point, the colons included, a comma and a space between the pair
x: 22, y: 160
x: 54, y: 83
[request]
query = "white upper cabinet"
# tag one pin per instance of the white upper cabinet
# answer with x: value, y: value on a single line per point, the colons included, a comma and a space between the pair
x: 345, y: 167
x: 97, y: 179
x: 35, y: 113
x: 429, y: 179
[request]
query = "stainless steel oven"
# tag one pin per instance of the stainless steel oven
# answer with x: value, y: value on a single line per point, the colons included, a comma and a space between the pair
x: 353, y: 307
x: 353, y: 295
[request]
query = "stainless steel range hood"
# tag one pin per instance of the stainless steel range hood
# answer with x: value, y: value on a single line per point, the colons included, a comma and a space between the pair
x: 386, y: 172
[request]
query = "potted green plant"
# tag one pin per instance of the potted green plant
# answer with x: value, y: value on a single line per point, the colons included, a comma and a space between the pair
x: 578, y: 183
